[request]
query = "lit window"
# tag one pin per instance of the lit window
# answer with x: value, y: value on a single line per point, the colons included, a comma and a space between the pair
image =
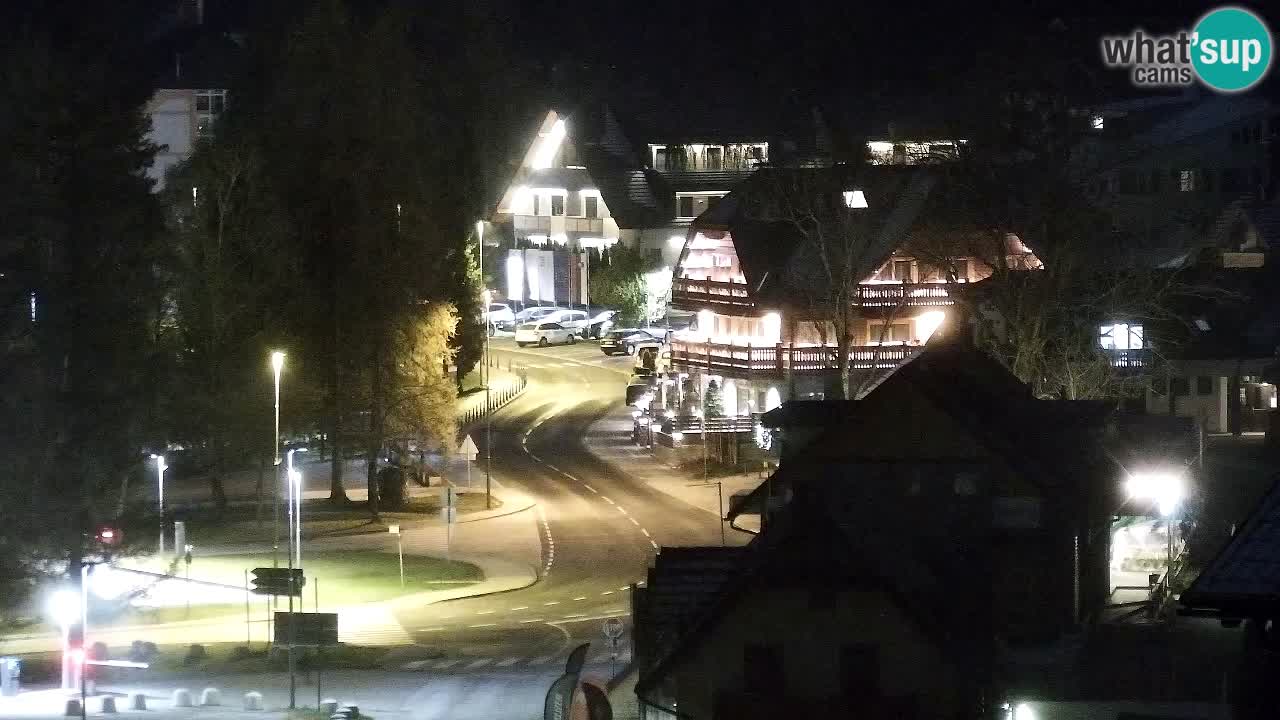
x: 209, y: 105
x: 855, y: 199
x: 1121, y: 336
x: 589, y: 206
x: 1186, y: 180
x: 557, y: 205
x: 1097, y: 122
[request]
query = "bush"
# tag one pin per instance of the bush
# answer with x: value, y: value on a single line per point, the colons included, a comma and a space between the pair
x: 195, y: 654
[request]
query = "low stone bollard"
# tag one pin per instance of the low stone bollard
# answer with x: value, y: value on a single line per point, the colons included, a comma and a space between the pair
x: 73, y: 708
x: 253, y: 700
x: 210, y: 697
x: 328, y: 706
x: 108, y: 704
x: 137, y: 701
x: 182, y: 698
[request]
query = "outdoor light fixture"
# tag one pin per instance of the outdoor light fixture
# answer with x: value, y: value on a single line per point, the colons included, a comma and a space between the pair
x: 160, y: 468
x: 676, y: 241
x: 927, y: 323
x: 1166, y: 488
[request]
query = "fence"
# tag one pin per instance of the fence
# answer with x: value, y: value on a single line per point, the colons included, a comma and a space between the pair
x: 497, y: 398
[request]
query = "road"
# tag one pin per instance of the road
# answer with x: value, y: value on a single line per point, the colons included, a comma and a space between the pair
x: 493, y: 656
x: 599, y: 530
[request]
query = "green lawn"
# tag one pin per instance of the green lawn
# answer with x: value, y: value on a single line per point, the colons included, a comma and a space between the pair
x: 238, y: 526
x: 349, y: 578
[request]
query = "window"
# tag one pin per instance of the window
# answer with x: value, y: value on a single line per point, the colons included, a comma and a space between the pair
x: 550, y: 326
x: 902, y: 270
x: 1204, y: 385
x: 209, y: 105
x: 1097, y: 122
x: 660, y: 158
x: 557, y: 205
x: 1186, y: 180
x: 895, y: 332
x: 762, y: 666
x: 859, y: 670
x: 1121, y: 336
x: 537, y: 204
x: 589, y: 208
x: 1179, y: 386
x: 686, y: 206
x: 855, y: 199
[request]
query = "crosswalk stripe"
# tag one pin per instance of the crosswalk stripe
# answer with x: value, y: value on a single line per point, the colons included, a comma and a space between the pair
x: 542, y: 660
x: 479, y: 663
x: 446, y: 664
x: 507, y: 663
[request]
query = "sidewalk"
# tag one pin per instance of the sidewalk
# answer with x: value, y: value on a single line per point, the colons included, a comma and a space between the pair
x: 609, y: 439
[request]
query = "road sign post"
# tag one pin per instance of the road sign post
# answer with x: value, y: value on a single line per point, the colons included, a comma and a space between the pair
x: 395, y: 530
x: 468, y: 451
x: 278, y: 581
x: 613, y: 630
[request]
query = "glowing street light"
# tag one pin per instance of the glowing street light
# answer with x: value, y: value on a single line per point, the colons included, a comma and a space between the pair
x: 277, y: 365
x: 1167, y: 489
x: 295, y: 504
x: 160, y: 468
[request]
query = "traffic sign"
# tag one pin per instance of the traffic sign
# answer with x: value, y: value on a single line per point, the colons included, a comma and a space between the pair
x: 277, y: 581
x: 468, y: 448
x: 613, y: 630
x: 313, y: 629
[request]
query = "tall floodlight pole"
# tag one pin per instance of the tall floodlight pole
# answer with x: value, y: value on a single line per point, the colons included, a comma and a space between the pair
x: 484, y: 378
x: 160, y: 468
x: 277, y: 364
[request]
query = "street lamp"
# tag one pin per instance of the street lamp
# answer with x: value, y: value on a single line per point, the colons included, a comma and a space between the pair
x: 295, y: 503
x: 1167, y: 489
x: 160, y: 468
x: 64, y: 607
x: 277, y: 364
x: 484, y: 378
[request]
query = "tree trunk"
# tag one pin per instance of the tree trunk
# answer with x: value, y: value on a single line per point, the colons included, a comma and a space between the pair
x: 375, y: 423
x: 216, y: 488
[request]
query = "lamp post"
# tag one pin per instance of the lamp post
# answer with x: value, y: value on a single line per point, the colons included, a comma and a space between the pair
x: 484, y: 378
x: 160, y: 468
x: 64, y: 606
x: 706, y: 479
x: 277, y: 364
x: 295, y: 504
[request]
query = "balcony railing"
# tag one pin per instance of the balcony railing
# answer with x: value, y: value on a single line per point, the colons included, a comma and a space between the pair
x: 903, y: 295
x: 1131, y: 360
x: 778, y: 360
x: 696, y: 294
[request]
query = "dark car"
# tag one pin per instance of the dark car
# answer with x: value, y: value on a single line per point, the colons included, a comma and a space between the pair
x: 624, y: 341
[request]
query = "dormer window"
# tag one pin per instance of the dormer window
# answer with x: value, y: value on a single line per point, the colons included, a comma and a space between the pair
x: 855, y: 199
x: 1120, y: 336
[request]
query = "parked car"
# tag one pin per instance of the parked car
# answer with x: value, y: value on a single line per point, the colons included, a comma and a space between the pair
x: 544, y: 333
x: 601, y: 323
x: 626, y: 340
x: 527, y: 315
x: 497, y: 315
x: 573, y: 319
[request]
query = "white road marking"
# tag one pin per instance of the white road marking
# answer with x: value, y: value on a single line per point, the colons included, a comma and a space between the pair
x: 607, y: 592
x: 581, y: 597
x: 646, y: 532
x: 575, y: 615
x: 507, y: 662
x: 590, y: 488
x: 485, y: 612
x: 479, y: 663
x: 483, y: 625
x: 443, y: 664
x: 553, y: 602
x: 531, y: 620
x: 625, y: 588
x: 415, y: 664
x: 608, y: 500
x: 635, y: 522
x: 430, y: 629
x: 622, y: 510
x: 654, y: 544
x: 522, y: 607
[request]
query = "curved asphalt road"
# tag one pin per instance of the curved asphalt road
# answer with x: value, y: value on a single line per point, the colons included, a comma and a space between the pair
x: 599, y: 529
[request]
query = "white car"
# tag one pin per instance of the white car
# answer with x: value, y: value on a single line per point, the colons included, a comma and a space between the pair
x: 544, y: 333
x: 575, y: 320
x: 535, y: 313
x: 498, y: 314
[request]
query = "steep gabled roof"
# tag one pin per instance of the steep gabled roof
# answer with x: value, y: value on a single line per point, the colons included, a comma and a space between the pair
x: 1244, y: 579
x: 810, y: 547
x: 774, y: 254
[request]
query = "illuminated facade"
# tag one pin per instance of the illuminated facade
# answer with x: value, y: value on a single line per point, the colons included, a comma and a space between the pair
x: 760, y: 336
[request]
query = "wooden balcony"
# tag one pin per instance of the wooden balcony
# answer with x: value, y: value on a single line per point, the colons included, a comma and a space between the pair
x: 715, y: 295
x: 1131, y: 362
x: 893, y: 295
x: 698, y: 294
x: 744, y: 361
